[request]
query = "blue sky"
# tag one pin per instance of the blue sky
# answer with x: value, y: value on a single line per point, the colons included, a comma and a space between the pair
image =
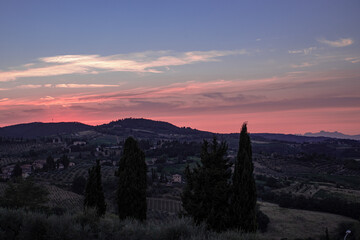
x: 267, y: 62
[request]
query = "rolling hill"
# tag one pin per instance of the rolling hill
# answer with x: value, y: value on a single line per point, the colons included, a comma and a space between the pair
x: 39, y: 129
x: 143, y: 128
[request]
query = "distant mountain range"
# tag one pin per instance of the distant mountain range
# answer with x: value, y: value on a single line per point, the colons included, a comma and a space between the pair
x: 332, y: 135
x: 146, y: 128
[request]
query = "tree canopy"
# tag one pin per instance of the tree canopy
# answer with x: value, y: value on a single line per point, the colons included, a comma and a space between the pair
x: 131, y: 193
x: 94, y: 195
x: 243, y: 198
x: 215, y: 196
x: 205, y: 197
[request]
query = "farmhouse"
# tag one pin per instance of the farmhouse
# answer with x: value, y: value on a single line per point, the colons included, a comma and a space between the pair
x: 38, y: 164
x: 176, y: 178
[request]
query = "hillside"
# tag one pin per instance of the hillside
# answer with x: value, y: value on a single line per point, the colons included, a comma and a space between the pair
x: 38, y: 129
x: 333, y: 135
x: 140, y: 127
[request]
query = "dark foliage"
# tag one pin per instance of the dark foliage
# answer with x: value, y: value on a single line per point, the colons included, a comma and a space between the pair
x: 176, y: 148
x: 24, y: 194
x: 94, y: 195
x: 352, y: 164
x: 330, y: 204
x: 243, y: 198
x: 78, y: 185
x: 262, y: 220
x: 50, y: 163
x: 206, y: 194
x: 131, y: 193
x: 65, y: 161
x: 17, y: 171
x: 19, y: 224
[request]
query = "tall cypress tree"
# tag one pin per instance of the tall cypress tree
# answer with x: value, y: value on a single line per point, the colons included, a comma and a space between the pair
x: 243, y: 200
x: 94, y: 195
x: 50, y: 163
x: 206, y: 194
x: 131, y: 193
x: 17, y: 171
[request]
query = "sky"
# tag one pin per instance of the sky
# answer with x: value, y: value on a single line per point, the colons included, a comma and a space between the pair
x: 282, y: 66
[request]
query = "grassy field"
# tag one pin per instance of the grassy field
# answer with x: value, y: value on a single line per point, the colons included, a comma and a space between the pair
x: 294, y: 223
x: 284, y: 222
x: 352, y: 182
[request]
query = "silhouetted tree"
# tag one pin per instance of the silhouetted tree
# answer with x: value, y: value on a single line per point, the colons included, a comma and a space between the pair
x: 94, y: 195
x: 206, y: 194
x: 154, y: 176
x: 50, y: 163
x: 78, y: 185
x: 17, y: 171
x: 65, y: 161
x: 243, y: 200
x: 131, y: 193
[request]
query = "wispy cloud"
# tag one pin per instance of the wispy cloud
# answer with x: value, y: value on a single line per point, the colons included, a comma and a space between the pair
x: 342, y: 42
x: 64, y: 85
x: 353, y: 59
x: 29, y: 86
x: 151, y: 61
x: 47, y: 98
x: 302, y: 65
x: 84, y: 86
x: 305, y: 51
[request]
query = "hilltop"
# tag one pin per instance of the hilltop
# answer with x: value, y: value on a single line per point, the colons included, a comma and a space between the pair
x: 39, y: 129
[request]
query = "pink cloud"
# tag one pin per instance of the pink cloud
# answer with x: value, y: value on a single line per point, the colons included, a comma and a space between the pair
x: 279, y: 104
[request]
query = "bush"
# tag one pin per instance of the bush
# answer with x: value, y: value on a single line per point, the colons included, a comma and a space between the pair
x: 34, y: 227
x: 19, y: 224
x: 262, y: 221
x: 10, y: 223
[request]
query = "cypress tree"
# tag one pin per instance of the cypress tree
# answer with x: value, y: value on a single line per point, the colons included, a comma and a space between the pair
x: 65, y: 161
x: 17, y: 171
x: 131, y: 193
x: 206, y: 194
x: 94, y: 195
x: 243, y: 200
x: 50, y: 163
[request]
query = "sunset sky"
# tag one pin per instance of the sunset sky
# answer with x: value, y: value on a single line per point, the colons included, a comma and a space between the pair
x: 283, y: 66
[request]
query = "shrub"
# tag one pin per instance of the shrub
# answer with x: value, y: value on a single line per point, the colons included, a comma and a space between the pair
x: 10, y: 223
x: 262, y: 220
x: 34, y: 227
x: 19, y: 224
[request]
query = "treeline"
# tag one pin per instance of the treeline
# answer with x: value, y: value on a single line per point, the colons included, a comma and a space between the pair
x: 175, y: 149
x: 330, y: 204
